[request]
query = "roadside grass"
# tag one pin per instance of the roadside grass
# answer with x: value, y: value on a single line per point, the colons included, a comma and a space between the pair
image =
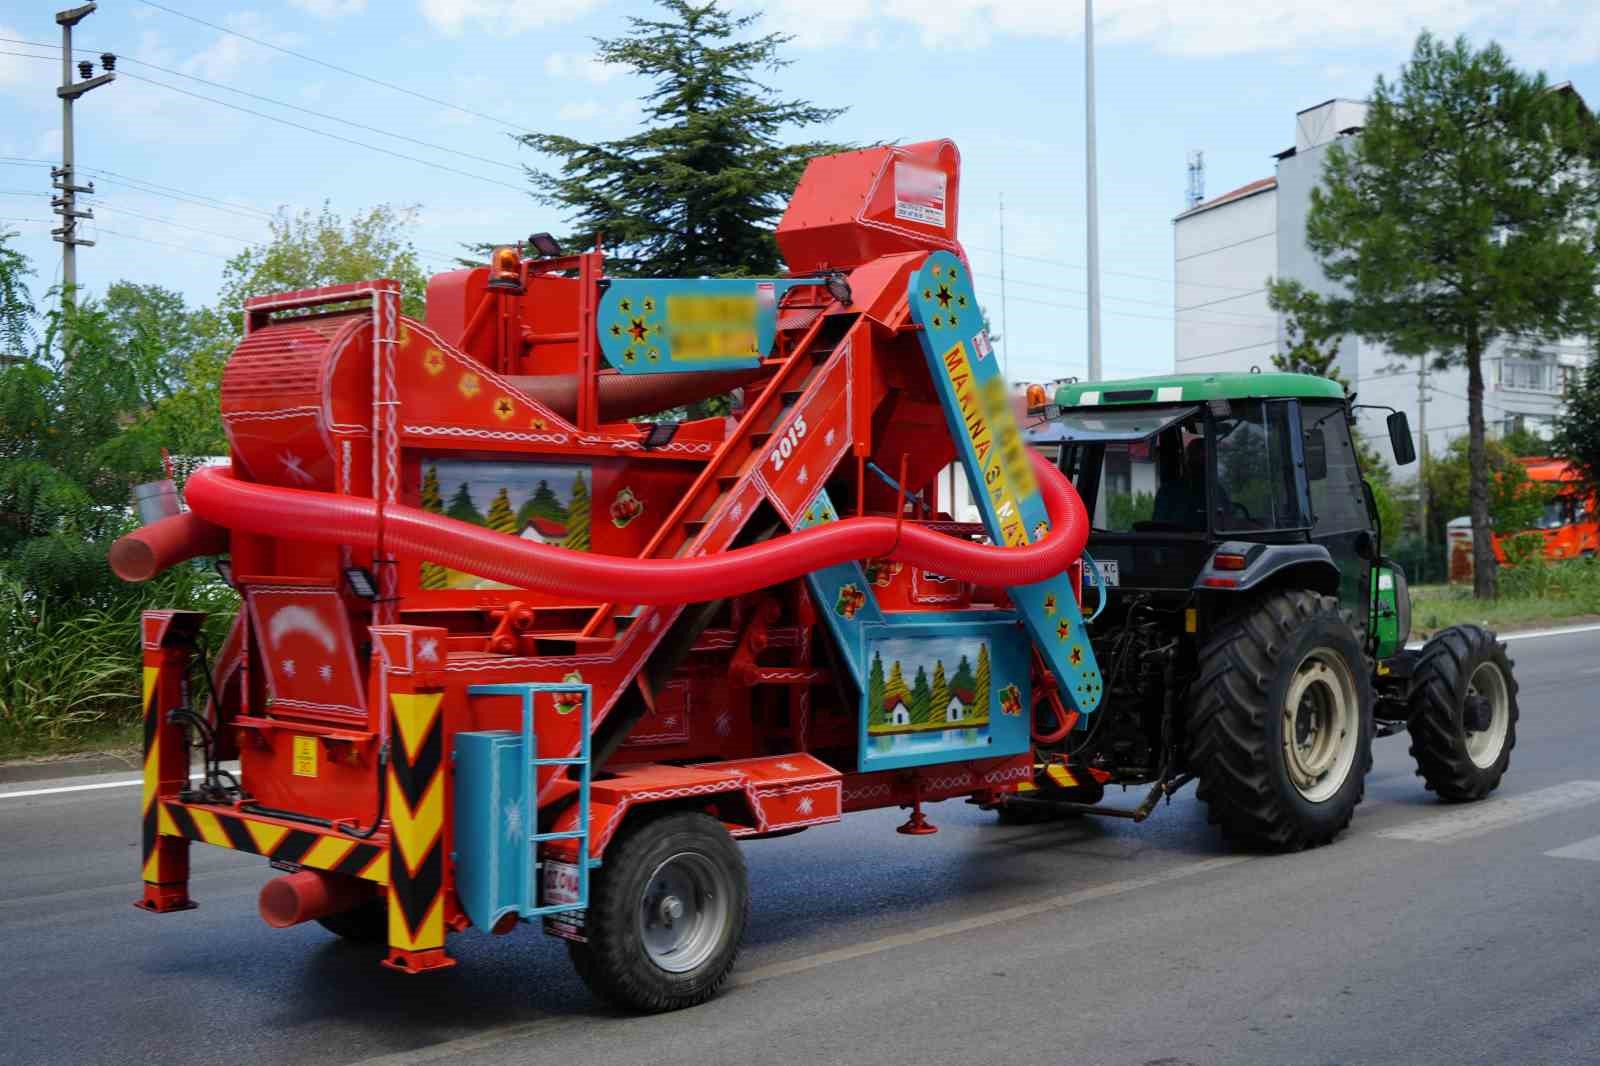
x: 70, y: 679
x: 1531, y: 594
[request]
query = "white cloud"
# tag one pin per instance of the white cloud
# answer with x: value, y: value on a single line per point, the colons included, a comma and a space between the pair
x: 14, y: 70
x: 1182, y: 27
x: 502, y: 16
x: 573, y: 66
x: 330, y: 9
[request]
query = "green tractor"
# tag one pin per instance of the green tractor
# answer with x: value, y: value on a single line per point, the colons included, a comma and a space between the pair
x: 1250, y: 630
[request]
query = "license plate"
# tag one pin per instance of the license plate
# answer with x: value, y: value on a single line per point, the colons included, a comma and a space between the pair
x: 1108, y: 571
x: 560, y: 883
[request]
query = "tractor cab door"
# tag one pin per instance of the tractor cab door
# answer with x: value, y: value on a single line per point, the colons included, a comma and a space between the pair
x: 1339, y: 515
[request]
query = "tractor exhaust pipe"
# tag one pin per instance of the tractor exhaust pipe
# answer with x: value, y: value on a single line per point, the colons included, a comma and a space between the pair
x: 306, y: 895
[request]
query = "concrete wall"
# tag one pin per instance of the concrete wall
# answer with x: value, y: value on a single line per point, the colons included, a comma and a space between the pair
x: 1223, y: 256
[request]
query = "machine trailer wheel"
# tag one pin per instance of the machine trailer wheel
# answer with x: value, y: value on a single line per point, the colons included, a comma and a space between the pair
x: 366, y: 924
x: 666, y: 914
x: 1463, y: 721
x: 1280, y: 722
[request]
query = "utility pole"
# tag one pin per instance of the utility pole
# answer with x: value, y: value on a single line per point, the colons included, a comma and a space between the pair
x: 1092, y: 192
x: 1005, y: 331
x: 64, y: 179
x: 1422, y: 465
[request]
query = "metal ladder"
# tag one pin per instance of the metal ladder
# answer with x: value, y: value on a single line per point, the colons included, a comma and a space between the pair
x: 529, y: 894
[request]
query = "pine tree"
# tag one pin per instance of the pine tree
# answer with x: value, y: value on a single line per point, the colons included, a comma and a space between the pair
x: 921, y: 698
x: 895, y: 689
x: 462, y: 509
x: 434, y: 576
x: 578, y: 517
x: 544, y: 503
x: 501, y: 519
x: 696, y: 191
x: 963, y: 680
x: 980, y: 694
x: 875, y: 690
x: 939, y: 699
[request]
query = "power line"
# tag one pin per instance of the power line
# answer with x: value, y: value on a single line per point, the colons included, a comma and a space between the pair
x: 334, y: 67
x: 101, y: 230
x: 1122, y: 314
x: 1117, y: 273
x: 280, y: 103
x: 1049, y: 287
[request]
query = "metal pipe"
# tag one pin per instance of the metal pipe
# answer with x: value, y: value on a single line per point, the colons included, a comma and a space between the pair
x: 306, y: 895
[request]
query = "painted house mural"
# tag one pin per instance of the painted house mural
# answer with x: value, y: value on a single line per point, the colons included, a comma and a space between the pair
x: 938, y: 697
x: 544, y: 502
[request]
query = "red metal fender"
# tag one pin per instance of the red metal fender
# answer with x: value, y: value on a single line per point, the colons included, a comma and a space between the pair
x: 319, y: 517
x: 144, y: 553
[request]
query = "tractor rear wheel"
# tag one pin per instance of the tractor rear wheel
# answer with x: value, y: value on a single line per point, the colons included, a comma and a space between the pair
x: 666, y: 914
x: 1280, y: 722
x: 1463, y: 721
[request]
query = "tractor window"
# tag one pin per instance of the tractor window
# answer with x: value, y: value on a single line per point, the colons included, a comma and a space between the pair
x: 1255, y: 486
x: 1338, y: 503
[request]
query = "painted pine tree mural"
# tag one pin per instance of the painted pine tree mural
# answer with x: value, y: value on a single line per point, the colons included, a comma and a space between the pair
x: 501, y: 519
x: 544, y: 503
x: 578, y: 516
x: 921, y: 699
x: 963, y: 681
x: 894, y: 690
x: 939, y: 699
x: 434, y: 576
x: 462, y: 509
x: 875, y: 689
x: 980, y: 695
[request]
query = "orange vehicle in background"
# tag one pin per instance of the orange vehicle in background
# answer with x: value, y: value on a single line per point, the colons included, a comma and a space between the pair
x: 1568, y: 522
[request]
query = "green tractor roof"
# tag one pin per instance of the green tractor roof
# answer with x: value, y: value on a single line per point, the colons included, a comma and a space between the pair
x: 1197, y: 388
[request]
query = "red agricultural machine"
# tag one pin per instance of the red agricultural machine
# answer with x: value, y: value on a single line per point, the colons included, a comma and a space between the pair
x: 518, y: 644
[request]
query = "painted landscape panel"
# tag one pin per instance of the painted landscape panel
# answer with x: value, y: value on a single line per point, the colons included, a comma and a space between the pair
x: 544, y: 502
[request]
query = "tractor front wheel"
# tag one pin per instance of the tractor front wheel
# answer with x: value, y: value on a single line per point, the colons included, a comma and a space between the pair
x: 1280, y: 722
x: 666, y: 914
x: 1463, y: 721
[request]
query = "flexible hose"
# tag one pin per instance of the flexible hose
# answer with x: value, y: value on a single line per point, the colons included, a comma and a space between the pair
x: 303, y: 515
x: 144, y: 553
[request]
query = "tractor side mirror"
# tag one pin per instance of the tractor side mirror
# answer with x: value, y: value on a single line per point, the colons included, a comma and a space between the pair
x: 1400, y: 438
x: 1316, y: 455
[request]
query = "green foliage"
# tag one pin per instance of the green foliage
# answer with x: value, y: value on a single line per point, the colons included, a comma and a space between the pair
x: 875, y: 691
x: 1577, y: 433
x: 1525, y: 443
x: 1515, y: 501
x: 980, y: 697
x: 461, y: 507
x: 921, y: 698
x: 17, y: 330
x: 1535, y: 592
x: 544, y: 503
x: 1124, y: 509
x: 1462, y: 214
x: 695, y: 191
x: 1310, y: 346
x: 68, y: 669
x: 939, y: 695
x: 578, y: 517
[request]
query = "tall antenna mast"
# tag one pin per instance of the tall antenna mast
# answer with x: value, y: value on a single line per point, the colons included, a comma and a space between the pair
x: 1197, y: 179
x: 1093, y: 198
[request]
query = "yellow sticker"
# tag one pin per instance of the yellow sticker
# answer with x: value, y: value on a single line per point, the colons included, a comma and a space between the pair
x: 305, y: 756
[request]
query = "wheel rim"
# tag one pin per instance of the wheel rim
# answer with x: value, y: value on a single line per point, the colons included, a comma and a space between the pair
x: 1483, y: 745
x: 1321, y: 725
x: 683, y: 911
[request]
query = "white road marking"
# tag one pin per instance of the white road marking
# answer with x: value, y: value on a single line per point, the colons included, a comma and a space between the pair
x: 1583, y: 849
x: 1474, y: 819
x: 1531, y: 634
x: 981, y: 921
x: 58, y: 790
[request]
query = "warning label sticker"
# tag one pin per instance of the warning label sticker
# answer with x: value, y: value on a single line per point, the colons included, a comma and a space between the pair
x: 305, y: 757
x: 919, y: 194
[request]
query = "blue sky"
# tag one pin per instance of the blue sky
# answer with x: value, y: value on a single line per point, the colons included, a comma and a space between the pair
x: 1003, y: 78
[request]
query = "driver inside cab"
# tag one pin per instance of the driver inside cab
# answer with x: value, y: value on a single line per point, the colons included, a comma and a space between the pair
x: 1181, y: 498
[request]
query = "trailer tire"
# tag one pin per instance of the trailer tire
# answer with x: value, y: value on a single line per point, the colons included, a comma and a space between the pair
x: 1462, y: 663
x: 366, y: 924
x: 679, y: 867
x: 1292, y: 661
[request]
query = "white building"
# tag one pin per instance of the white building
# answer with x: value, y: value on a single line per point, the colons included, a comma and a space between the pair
x: 1226, y: 248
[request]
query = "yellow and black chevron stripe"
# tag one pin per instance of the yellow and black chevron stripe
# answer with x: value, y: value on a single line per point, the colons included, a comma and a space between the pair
x: 150, y: 809
x: 416, y: 815
x: 322, y: 851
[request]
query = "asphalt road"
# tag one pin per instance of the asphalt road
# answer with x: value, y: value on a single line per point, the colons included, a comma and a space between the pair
x: 1426, y: 934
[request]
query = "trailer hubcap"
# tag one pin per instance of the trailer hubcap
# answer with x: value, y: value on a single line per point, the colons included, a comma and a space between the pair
x: 1485, y: 730
x: 683, y: 912
x: 1321, y: 725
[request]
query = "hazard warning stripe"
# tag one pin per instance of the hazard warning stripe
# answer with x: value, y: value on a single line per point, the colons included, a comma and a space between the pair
x: 321, y: 851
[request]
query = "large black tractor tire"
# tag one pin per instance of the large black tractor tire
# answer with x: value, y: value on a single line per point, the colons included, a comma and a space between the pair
x: 366, y: 924
x: 666, y: 915
x: 1290, y: 665
x: 1463, y: 721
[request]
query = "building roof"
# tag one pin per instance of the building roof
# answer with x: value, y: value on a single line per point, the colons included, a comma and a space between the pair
x: 547, y: 527
x: 1198, y: 388
x: 1240, y: 193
